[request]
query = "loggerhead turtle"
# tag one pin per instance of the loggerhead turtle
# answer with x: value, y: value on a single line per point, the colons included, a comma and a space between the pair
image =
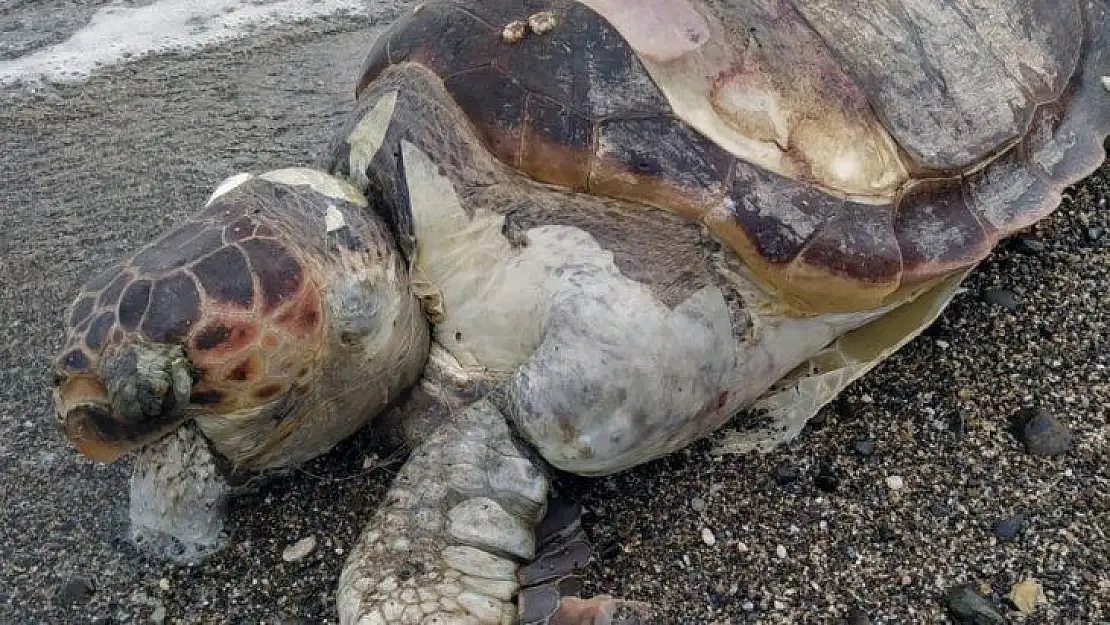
x: 575, y: 235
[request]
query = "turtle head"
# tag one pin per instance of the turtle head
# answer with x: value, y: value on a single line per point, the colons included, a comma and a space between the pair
x: 279, y: 319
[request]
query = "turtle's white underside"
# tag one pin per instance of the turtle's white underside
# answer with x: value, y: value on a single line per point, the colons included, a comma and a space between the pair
x: 577, y: 342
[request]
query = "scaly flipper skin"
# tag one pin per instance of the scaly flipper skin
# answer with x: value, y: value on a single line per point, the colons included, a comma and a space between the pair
x: 445, y: 544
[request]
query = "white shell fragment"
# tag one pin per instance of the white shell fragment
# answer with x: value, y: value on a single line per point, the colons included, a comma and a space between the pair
x: 514, y: 31
x: 543, y: 22
x: 299, y: 550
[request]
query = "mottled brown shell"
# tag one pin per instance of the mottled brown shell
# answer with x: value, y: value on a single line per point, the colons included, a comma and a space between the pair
x: 850, y: 153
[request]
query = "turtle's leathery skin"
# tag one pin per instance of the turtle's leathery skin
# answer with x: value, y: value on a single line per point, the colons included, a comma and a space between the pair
x: 268, y: 302
x: 445, y: 543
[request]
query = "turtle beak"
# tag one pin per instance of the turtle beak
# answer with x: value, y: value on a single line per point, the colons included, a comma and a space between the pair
x: 85, y: 412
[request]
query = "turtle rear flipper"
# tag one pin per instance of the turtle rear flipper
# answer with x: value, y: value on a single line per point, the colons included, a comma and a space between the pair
x: 786, y: 407
x: 551, y: 584
x: 452, y: 540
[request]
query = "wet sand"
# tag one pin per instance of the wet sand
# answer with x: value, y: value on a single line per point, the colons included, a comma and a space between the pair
x: 90, y: 170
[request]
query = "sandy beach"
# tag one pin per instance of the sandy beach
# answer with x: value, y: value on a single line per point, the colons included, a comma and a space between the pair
x: 891, y: 497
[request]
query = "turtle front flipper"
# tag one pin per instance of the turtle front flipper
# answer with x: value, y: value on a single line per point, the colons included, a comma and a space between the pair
x: 449, y: 537
x: 454, y: 535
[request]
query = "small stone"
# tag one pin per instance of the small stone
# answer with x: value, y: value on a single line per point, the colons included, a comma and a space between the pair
x: 747, y: 606
x: 785, y: 475
x: 164, y: 584
x: 895, y: 482
x: 1010, y: 527
x: 1003, y: 298
x: 707, y: 537
x: 76, y: 589
x: 864, y: 447
x: 543, y: 22
x: 856, y: 616
x: 1026, y: 595
x: 780, y: 552
x: 1093, y: 234
x: 968, y: 607
x: 299, y: 550
x: 698, y: 504
x: 1027, y: 245
x: 940, y: 510
x: 514, y: 31
x: 158, y: 616
x: 742, y: 547
x: 1042, y: 433
x: 826, y: 479
x: 610, y: 550
x: 957, y: 424
x: 885, y: 533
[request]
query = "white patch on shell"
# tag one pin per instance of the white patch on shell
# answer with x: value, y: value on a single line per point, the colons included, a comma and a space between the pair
x: 604, y: 376
x: 227, y: 185
x: 367, y: 137
x: 333, y: 219
x: 321, y: 182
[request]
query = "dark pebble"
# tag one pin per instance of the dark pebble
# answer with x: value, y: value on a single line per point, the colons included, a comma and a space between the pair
x: 785, y: 475
x: 76, y: 589
x: 1010, y: 527
x: 968, y: 607
x: 940, y: 510
x: 826, y: 479
x: 609, y: 550
x: 885, y: 534
x: 856, y: 616
x: 818, y: 421
x: 1093, y: 234
x: 1027, y: 245
x: 1042, y: 433
x: 864, y: 447
x: 957, y: 424
x: 1003, y: 298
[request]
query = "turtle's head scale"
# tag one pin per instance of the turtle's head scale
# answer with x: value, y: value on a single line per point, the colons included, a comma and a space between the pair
x: 279, y: 319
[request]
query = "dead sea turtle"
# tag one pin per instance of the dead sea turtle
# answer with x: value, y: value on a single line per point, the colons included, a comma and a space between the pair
x: 576, y: 235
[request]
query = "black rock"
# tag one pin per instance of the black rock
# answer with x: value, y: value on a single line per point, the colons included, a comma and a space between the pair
x: 826, y: 478
x: 885, y: 534
x: 856, y: 616
x: 1009, y: 527
x: 940, y: 510
x: 1027, y: 245
x: 76, y: 589
x: 957, y: 424
x: 864, y: 447
x: 785, y: 475
x: 967, y: 607
x: 609, y: 550
x: 1003, y: 298
x: 1042, y: 433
